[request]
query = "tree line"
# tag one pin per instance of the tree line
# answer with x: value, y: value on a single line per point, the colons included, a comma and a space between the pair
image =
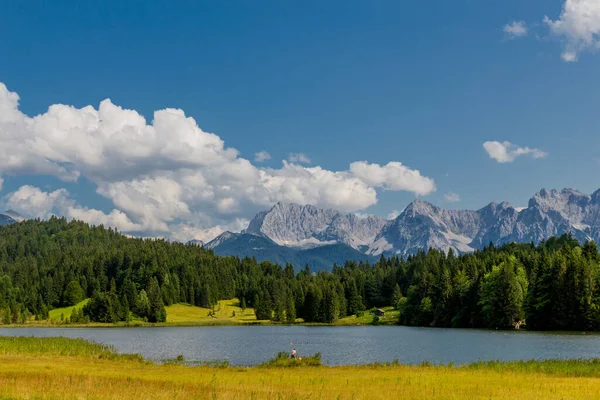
x: 48, y: 264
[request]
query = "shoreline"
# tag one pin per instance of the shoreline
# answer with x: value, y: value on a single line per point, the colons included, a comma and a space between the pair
x: 183, y: 325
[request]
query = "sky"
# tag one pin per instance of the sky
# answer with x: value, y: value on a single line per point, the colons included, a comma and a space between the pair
x: 184, y: 119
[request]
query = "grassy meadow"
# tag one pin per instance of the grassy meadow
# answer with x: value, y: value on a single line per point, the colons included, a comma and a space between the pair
x: 226, y: 312
x: 390, y: 317
x: 58, y: 368
x: 65, y: 312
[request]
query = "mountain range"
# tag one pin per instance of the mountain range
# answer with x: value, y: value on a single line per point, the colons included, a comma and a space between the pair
x: 304, y: 234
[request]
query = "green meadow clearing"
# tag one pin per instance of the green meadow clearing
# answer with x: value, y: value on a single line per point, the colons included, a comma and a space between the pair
x: 226, y: 312
x: 59, y: 368
x: 65, y: 312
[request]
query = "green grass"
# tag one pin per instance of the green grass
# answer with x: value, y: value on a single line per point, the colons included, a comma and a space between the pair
x: 570, y: 368
x: 391, y: 317
x: 283, y: 360
x: 54, y: 315
x: 223, y: 314
x: 183, y: 314
x: 59, y: 346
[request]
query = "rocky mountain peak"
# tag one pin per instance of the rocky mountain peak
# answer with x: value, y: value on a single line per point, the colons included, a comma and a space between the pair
x: 292, y: 224
x: 491, y: 212
x: 222, y: 238
x: 420, y: 207
x: 556, y: 200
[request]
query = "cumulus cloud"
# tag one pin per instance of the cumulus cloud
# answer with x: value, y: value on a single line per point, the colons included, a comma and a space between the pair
x: 579, y: 26
x: 33, y: 202
x: 505, y: 152
x: 393, y: 176
x: 169, y: 177
x: 262, y: 156
x: 452, y: 197
x: 516, y: 29
x: 152, y: 201
x: 300, y: 158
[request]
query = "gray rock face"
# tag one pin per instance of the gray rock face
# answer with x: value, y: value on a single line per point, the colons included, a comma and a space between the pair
x: 308, y: 226
x: 549, y: 213
x: 358, y: 233
x: 422, y: 225
x: 552, y: 213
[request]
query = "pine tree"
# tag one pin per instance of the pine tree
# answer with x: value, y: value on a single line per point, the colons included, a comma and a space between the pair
x: 290, y: 310
x: 157, y: 312
x: 397, y: 297
x: 73, y: 294
x: 206, y: 297
x: 263, y: 307
x: 142, y: 304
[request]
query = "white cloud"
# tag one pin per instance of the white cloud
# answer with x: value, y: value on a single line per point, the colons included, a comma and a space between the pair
x: 452, y: 197
x: 105, y: 144
x: 300, y: 158
x: 393, y: 214
x: 316, y: 186
x: 116, y: 219
x: 393, y: 176
x: 152, y: 202
x: 505, y: 152
x: 32, y: 202
x: 579, y: 25
x: 516, y: 29
x: 262, y: 156
x: 162, y: 175
x: 1, y: 183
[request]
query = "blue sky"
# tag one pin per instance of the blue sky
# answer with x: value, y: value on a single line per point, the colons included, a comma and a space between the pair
x: 339, y: 82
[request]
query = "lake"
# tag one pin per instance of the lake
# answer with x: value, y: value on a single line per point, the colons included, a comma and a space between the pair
x: 338, y: 345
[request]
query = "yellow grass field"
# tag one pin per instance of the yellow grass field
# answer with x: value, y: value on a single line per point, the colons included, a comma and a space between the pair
x: 74, y: 369
x: 223, y: 315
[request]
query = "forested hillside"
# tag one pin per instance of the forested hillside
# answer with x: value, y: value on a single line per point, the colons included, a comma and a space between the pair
x: 49, y: 264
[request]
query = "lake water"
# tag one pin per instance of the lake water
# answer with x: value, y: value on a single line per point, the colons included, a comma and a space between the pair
x: 338, y: 345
